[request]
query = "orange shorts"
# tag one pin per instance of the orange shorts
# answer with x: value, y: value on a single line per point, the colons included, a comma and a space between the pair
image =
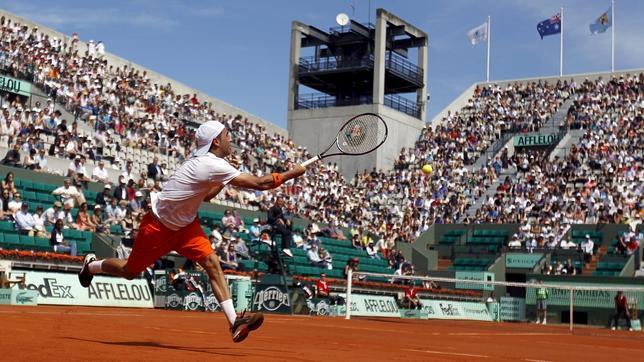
x: 155, y: 240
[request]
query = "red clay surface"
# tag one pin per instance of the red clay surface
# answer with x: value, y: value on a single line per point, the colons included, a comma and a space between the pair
x: 111, y: 334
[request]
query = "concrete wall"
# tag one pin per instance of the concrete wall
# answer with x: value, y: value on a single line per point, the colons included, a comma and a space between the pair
x: 317, y: 128
x: 219, y: 105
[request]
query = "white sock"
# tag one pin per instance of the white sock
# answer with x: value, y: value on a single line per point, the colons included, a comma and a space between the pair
x: 229, y: 310
x: 96, y: 266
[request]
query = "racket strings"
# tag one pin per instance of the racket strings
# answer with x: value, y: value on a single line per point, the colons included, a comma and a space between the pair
x: 362, y: 134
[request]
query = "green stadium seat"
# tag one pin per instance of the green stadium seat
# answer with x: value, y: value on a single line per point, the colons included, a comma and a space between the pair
x: 27, y: 241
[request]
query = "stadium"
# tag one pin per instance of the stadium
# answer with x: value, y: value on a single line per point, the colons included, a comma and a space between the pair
x: 506, y: 227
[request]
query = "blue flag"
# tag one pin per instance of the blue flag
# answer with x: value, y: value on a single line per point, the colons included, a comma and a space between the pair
x: 550, y: 26
x: 603, y: 22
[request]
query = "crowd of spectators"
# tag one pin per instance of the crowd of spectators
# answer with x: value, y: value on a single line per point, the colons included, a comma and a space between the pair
x: 381, y: 207
x: 599, y: 180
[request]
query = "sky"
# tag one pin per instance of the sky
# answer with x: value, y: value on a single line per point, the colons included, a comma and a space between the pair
x: 238, y: 51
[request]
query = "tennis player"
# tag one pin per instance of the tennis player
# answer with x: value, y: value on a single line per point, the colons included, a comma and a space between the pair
x: 172, y: 224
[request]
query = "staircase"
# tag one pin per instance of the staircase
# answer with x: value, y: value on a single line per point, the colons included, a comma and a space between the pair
x: 444, y: 264
x: 591, y: 266
x: 491, y: 191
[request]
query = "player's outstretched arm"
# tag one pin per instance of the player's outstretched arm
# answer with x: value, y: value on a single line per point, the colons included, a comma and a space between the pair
x: 266, y: 182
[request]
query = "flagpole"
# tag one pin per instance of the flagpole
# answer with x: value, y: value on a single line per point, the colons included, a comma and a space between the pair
x: 612, y: 36
x: 561, y: 44
x: 489, y: 35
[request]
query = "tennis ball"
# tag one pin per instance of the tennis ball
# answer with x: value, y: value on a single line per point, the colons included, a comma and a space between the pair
x: 427, y: 169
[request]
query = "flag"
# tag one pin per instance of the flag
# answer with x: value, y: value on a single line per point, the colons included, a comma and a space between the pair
x: 550, y: 26
x: 603, y: 22
x: 478, y: 34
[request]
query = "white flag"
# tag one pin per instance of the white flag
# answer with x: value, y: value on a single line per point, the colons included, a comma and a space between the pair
x: 478, y: 34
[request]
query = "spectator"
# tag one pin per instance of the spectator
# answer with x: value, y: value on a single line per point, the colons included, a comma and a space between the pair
x: 587, y: 246
x: 314, y: 257
x: 58, y: 242
x: 569, y: 268
x: 76, y: 167
x: 41, y: 161
x: 322, y: 290
x: 372, y: 250
x: 103, y: 198
x: 154, y: 170
x: 281, y: 225
x: 334, y: 232
x: 25, y: 222
x: 229, y: 221
x: 30, y: 162
x: 98, y: 220
x: 255, y: 230
x: 542, y: 303
x: 326, y: 257
x: 229, y: 258
x: 127, y: 223
x: 621, y: 310
x: 9, y: 185
x: 353, y: 264
x: 99, y: 174
x: 83, y: 219
x: 411, y: 300
x: 14, y: 205
x: 12, y: 158
x: 39, y: 221
x: 120, y: 192
x: 240, y: 248
x: 69, y: 194
x: 68, y: 219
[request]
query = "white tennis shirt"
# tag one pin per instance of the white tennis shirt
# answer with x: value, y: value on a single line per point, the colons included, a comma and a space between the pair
x: 176, y: 206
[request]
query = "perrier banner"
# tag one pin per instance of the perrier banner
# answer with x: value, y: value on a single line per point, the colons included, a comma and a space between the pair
x: 585, y: 298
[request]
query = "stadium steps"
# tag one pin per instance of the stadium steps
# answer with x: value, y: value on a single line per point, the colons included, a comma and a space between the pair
x: 591, y: 266
x: 491, y: 191
x: 444, y: 264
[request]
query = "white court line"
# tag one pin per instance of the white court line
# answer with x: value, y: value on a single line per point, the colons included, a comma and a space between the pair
x: 73, y: 313
x: 503, y: 334
x: 447, y: 353
x: 536, y: 360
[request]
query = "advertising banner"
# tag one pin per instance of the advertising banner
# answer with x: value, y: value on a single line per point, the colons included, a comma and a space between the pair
x: 443, y: 309
x: 64, y: 289
x: 585, y: 298
x: 18, y: 297
x: 536, y: 140
x: 512, y: 309
x: 522, y: 260
x: 192, y: 291
x: 474, y: 275
x: 13, y: 85
x: 373, y: 306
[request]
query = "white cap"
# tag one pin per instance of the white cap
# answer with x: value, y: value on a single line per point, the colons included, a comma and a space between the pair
x: 138, y: 194
x: 205, y: 134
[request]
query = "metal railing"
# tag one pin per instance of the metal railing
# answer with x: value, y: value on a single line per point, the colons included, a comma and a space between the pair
x: 317, y: 100
x: 402, y: 104
x: 347, y: 28
x: 395, y: 63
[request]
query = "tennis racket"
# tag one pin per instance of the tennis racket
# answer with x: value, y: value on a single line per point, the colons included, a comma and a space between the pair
x: 358, y: 136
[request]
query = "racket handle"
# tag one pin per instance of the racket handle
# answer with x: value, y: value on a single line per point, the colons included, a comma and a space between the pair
x: 310, y: 161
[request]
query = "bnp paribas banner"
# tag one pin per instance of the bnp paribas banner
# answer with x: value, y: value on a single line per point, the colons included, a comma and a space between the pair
x: 586, y: 298
x: 443, y: 309
x: 65, y: 289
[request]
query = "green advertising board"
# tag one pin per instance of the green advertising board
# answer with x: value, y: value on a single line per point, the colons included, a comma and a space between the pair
x: 447, y: 309
x: 15, y: 86
x: 584, y: 298
x: 474, y: 275
x: 512, y: 309
x: 536, y: 140
x: 18, y: 297
x: 522, y: 260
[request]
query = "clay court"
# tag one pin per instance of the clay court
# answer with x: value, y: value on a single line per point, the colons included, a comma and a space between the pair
x: 111, y: 334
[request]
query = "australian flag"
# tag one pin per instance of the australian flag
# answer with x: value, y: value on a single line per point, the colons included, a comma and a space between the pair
x: 550, y: 26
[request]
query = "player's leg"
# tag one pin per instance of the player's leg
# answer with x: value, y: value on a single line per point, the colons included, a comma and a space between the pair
x: 152, y: 242
x: 195, y: 245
